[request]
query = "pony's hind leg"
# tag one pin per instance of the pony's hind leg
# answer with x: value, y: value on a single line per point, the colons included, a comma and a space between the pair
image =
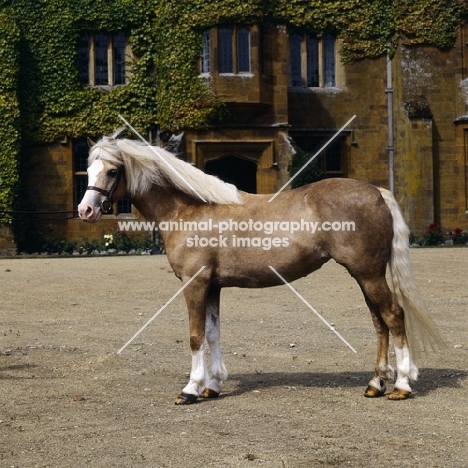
x: 382, y: 301
x: 212, y: 331
x: 383, y: 371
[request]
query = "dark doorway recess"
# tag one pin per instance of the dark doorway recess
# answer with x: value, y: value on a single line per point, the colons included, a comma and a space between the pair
x: 240, y: 172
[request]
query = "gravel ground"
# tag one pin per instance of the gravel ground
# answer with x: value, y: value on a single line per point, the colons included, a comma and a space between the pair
x: 295, y: 393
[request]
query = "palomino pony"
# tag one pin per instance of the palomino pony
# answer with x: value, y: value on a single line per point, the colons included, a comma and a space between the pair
x: 237, y: 236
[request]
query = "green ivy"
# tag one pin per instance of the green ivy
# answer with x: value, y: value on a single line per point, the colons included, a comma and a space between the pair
x: 45, y: 101
x: 9, y: 112
x: 165, y: 36
x: 311, y: 173
x: 55, y: 102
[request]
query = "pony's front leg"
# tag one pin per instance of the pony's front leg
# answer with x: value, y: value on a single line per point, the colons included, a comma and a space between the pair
x: 195, y: 297
x: 218, y: 370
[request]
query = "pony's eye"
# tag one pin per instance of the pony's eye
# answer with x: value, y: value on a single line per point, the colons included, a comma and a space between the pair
x: 112, y: 172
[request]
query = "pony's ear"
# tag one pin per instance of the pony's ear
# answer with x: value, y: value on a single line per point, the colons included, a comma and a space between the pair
x: 90, y: 142
x: 117, y: 132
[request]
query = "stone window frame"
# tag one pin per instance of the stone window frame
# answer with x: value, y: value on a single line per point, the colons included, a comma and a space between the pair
x: 205, y: 60
x: 310, y: 140
x: 89, y: 54
x: 312, y: 58
x: 233, y: 53
x: 237, y: 50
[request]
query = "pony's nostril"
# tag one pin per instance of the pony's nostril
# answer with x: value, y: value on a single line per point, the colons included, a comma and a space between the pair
x: 85, y: 212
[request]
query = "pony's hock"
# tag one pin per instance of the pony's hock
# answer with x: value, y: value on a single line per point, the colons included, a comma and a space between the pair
x: 164, y: 188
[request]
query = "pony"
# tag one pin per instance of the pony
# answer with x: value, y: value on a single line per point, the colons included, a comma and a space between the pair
x: 242, y: 239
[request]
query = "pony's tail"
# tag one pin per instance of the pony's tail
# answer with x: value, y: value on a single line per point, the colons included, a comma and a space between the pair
x: 421, y: 332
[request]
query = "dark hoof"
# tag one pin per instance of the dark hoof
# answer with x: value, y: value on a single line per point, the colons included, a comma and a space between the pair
x: 372, y: 392
x: 186, y: 399
x: 398, y: 394
x: 208, y: 393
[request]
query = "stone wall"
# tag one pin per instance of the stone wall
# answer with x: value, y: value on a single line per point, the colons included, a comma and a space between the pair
x: 7, y: 243
x: 430, y: 128
x: 430, y: 156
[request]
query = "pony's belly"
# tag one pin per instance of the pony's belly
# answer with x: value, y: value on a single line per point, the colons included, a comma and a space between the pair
x: 253, y: 272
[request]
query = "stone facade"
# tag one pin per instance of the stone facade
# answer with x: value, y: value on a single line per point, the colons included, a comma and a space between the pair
x: 430, y: 128
x: 430, y: 134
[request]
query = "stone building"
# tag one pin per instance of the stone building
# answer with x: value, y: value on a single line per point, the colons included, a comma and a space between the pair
x: 287, y: 90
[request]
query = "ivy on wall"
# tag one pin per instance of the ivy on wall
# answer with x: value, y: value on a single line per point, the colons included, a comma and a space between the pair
x: 367, y: 27
x: 42, y: 100
x: 9, y: 112
x: 53, y: 100
x: 165, y: 37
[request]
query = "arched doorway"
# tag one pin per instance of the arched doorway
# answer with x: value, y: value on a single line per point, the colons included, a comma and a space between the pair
x: 237, y: 171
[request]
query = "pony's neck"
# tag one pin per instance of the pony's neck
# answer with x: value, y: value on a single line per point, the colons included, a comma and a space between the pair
x: 163, y: 203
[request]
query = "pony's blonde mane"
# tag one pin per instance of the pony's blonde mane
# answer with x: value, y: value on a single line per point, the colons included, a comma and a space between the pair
x: 148, y: 165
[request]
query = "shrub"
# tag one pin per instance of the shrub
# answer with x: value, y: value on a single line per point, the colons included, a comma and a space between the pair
x: 123, y: 241
x: 312, y: 173
x: 459, y: 236
x: 114, y: 242
x: 413, y: 239
x: 88, y: 247
x: 51, y: 245
x: 434, y: 235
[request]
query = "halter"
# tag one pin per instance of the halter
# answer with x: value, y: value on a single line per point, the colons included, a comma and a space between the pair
x: 106, y: 204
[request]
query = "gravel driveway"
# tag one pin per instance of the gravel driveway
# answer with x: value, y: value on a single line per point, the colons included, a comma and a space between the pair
x: 295, y: 393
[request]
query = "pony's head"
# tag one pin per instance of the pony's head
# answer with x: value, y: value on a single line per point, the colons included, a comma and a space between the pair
x: 106, y: 180
x: 120, y: 167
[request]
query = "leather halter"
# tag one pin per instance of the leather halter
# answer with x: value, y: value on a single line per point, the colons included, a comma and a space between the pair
x: 106, y: 204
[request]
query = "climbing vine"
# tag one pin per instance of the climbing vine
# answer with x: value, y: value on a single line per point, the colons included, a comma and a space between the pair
x: 42, y: 99
x: 9, y: 113
x: 54, y: 101
x: 165, y: 37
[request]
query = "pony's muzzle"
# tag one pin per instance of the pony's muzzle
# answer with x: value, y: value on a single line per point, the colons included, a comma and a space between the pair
x: 89, y: 212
